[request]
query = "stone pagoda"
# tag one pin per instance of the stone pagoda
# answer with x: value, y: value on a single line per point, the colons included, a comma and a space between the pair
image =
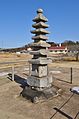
x: 39, y: 81
x: 39, y: 74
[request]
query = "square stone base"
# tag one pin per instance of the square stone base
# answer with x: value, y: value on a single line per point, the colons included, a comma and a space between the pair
x: 39, y: 82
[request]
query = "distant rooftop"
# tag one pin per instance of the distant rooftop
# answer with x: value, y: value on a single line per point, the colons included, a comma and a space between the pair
x: 57, y: 48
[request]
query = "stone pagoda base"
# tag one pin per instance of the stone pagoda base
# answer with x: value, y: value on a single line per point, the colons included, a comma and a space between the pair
x: 36, y: 96
x: 39, y: 82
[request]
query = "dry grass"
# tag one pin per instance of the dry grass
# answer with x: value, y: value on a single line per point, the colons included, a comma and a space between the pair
x: 69, y: 58
x: 8, y: 57
x: 63, y: 57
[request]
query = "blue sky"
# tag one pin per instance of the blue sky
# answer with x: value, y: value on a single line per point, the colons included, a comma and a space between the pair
x: 16, y: 20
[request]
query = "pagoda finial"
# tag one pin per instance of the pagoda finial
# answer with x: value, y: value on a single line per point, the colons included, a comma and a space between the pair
x: 40, y: 10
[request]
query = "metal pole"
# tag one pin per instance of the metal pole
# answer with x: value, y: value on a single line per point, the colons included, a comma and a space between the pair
x: 29, y: 69
x: 12, y: 73
x: 47, y: 70
x: 71, y: 75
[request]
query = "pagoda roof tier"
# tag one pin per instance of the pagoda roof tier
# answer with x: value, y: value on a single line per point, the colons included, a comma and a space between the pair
x: 40, y: 61
x: 40, y: 30
x: 40, y: 25
x: 40, y: 16
x: 41, y: 51
x: 40, y: 44
x: 40, y: 37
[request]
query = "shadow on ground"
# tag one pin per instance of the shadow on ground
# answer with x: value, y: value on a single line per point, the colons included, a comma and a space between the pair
x: 18, y: 79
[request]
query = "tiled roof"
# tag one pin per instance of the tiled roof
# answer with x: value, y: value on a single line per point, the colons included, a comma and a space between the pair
x: 57, y: 48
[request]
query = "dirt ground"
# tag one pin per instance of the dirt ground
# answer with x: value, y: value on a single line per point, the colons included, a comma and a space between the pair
x: 14, y: 106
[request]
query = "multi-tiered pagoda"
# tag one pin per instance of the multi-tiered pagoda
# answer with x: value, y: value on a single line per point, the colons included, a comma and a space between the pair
x: 39, y: 82
x: 39, y: 74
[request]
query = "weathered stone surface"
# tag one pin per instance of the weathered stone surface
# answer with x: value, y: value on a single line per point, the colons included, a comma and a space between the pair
x: 40, y: 61
x: 40, y: 16
x: 38, y: 52
x: 40, y: 95
x: 40, y: 25
x: 40, y: 37
x: 39, y: 82
x: 39, y: 74
x: 40, y: 30
x: 40, y: 10
x: 39, y: 71
x: 40, y: 44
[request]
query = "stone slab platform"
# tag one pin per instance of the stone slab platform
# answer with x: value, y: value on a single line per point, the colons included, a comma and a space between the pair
x: 36, y: 96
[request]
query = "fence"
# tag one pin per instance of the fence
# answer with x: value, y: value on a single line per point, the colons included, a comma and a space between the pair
x: 14, y: 68
x: 66, y: 74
